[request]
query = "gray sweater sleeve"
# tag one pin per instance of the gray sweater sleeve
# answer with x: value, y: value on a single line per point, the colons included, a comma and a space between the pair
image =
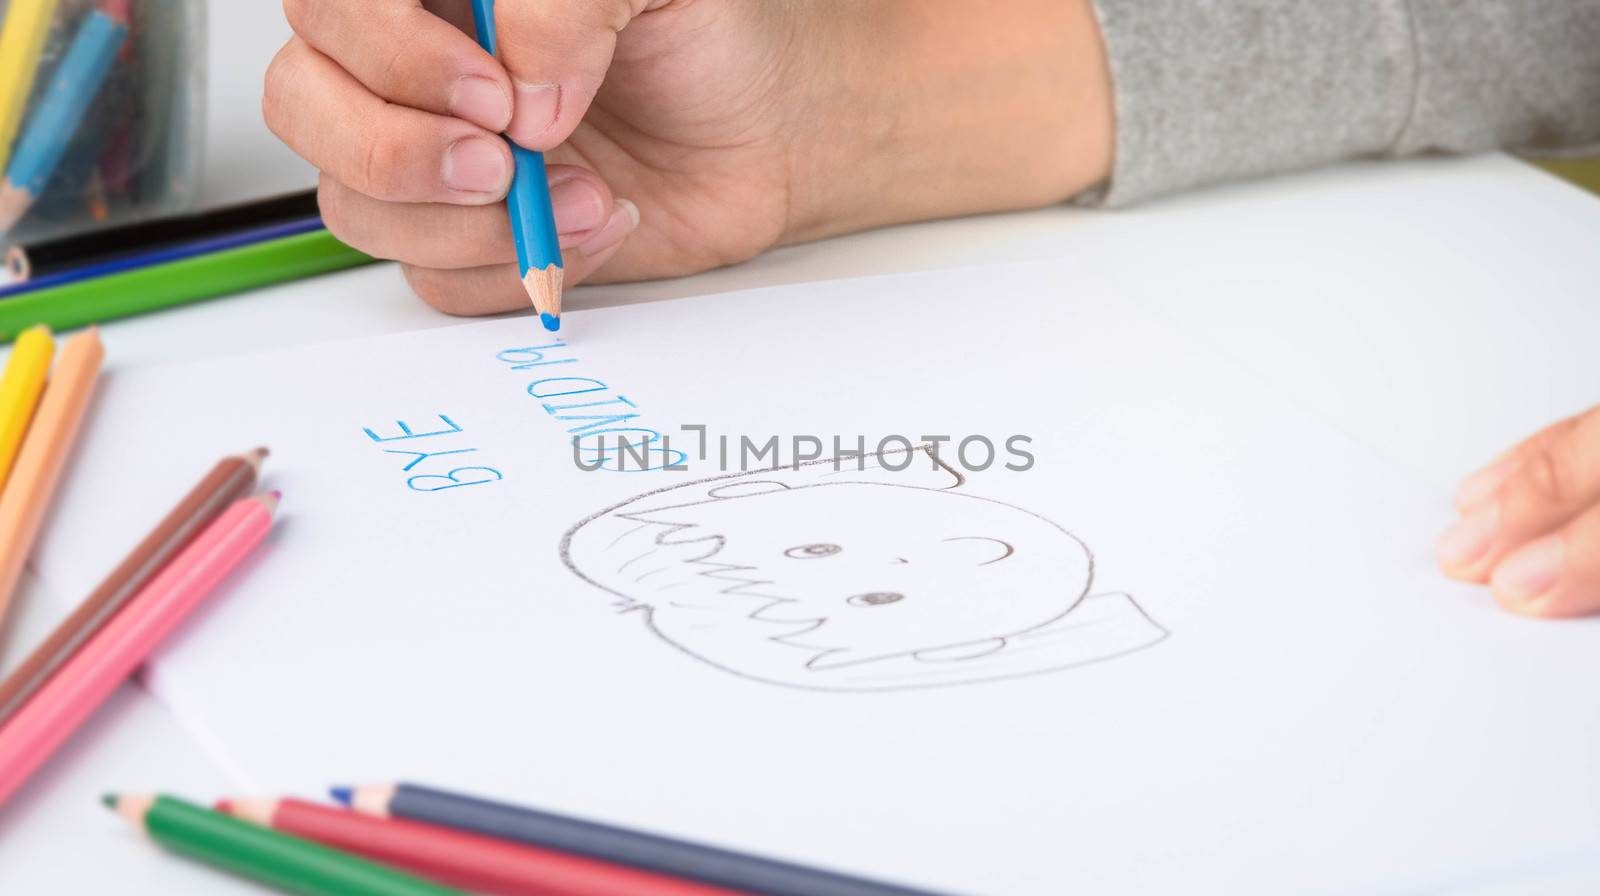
x: 1215, y: 90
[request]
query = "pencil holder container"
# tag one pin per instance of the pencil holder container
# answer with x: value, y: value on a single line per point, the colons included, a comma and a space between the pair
x: 101, y: 113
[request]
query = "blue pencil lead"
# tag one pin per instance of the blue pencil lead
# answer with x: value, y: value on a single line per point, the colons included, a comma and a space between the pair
x: 342, y: 795
x: 551, y: 322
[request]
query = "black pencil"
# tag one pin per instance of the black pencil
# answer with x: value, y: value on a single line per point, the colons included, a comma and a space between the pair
x: 638, y: 849
x: 41, y: 259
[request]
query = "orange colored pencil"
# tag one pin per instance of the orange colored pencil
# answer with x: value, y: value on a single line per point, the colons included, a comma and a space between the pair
x: 44, y: 452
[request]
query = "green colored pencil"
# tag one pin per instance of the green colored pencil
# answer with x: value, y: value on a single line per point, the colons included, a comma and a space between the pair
x: 287, y: 863
x: 152, y: 288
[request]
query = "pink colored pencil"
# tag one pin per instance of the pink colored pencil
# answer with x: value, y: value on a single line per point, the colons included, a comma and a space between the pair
x: 46, y: 721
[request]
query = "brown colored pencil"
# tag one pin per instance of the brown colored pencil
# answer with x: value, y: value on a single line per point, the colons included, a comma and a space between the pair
x: 231, y: 479
x: 44, y: 453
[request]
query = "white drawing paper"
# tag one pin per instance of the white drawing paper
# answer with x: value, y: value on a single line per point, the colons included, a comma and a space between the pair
x: 1197, y: 645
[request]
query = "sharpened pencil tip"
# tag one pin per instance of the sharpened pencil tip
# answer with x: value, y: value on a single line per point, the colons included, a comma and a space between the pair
x: 344, y: 796
x: 550, y: 321
x: 255, y: 456
x: 269, y: 500
x: 109, y: 800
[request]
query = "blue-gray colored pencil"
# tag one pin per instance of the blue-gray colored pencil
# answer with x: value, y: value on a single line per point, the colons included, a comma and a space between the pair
x: 533, y: 220
x: 679, y: 858
x: 61, y: 108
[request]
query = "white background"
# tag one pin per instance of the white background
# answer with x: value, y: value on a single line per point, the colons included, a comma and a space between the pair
x: 1437, y: 384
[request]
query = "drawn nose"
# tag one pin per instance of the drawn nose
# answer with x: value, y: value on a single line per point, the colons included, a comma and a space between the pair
x: 901, y: 560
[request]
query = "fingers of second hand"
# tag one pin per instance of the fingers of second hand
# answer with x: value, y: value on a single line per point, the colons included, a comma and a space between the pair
x: 386, y: 151
x: 407, y: 55
x: 1555, y: 575
x: 1545, y: 483
x: 1482, y: 485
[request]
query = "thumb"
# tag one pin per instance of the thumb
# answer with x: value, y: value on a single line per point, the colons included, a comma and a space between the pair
x: 557, y: 53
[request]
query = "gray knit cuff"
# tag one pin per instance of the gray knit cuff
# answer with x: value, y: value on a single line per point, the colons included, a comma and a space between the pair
x: 1505, y: 74
x: 1217, y: 90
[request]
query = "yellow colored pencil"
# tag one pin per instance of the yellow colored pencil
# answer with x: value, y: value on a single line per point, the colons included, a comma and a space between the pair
x: 20, y: 389
x: 21, y: 41
x: 44, y: 452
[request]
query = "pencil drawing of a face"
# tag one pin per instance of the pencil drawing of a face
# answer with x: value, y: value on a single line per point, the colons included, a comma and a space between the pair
x: 855, y: 579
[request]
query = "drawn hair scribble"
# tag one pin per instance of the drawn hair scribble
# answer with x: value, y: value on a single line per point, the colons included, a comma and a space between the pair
x: 848, y: 579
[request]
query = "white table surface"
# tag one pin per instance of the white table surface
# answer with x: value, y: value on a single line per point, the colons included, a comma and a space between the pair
x: 1437, y: 385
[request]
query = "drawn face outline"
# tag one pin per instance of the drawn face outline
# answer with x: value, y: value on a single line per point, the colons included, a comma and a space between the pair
x: 805, y: 598
x: 1041, y: 644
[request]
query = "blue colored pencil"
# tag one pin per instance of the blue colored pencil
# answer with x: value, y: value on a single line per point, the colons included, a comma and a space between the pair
x: 162, y: 256
x: 621, y: 846
x: 61, y: 109
x: 533, y: 221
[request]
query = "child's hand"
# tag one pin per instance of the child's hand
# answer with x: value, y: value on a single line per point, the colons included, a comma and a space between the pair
x: 731, y: 125
x: 1531, y: 523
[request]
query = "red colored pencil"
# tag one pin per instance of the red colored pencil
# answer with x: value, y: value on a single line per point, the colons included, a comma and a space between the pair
x: 459, y: 859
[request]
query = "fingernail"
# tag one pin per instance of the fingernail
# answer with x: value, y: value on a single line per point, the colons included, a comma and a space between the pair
x: 623, y: 221
x: 1531, y: 570
x: 537, y: 108
x: 1468, y: 539
x: 578, y: 205
x: 480, y: 101
x: 1480, y: 485
x: 476, y: 165
x: 633, y: 213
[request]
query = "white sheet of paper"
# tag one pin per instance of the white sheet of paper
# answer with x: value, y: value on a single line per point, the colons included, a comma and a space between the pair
x: 1258, y: 683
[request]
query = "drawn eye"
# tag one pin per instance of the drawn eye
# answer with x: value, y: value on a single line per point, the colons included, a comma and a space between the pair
x: 875, y: 598
x: 812, y: 551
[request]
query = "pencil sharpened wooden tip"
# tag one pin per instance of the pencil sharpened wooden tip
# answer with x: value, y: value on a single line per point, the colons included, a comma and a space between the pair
x: 372, y: 800
x: 255, y: 811
x: 544, y: 290
x: 255, y: 456
x: 132, y: 808
x: 270, y: 500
